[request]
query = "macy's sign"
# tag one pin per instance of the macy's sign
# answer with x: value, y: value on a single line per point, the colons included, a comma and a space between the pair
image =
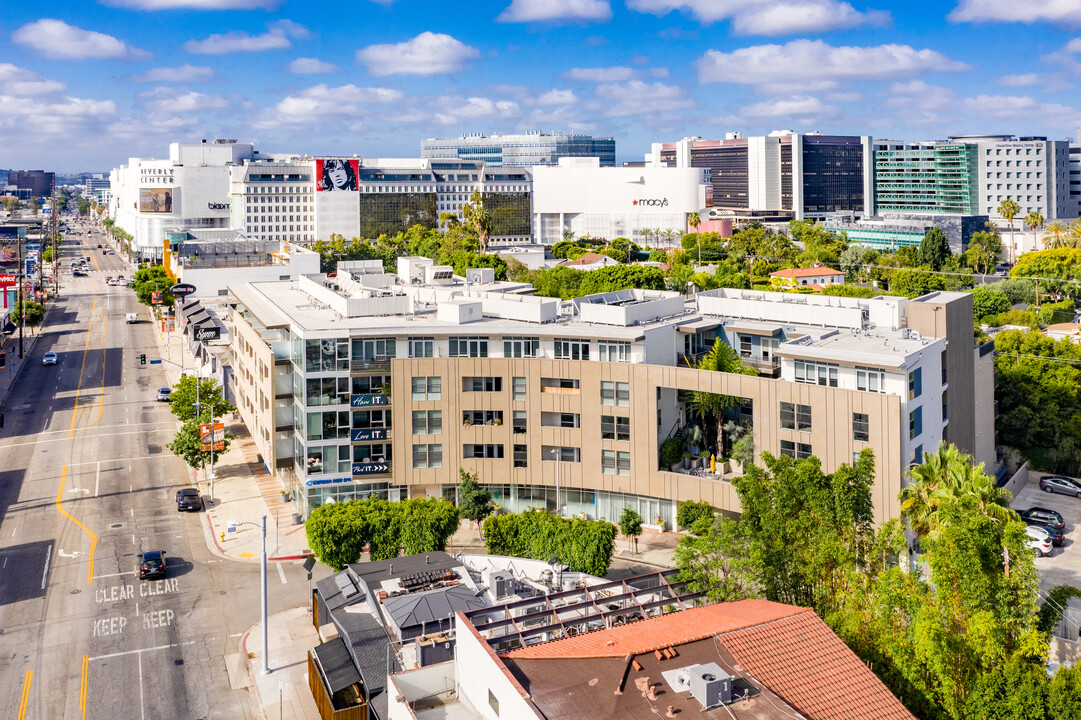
x: 651, y: 202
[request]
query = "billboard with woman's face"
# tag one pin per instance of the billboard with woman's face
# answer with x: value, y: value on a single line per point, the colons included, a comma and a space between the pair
x: 156, y: 200
x: 336, y: 174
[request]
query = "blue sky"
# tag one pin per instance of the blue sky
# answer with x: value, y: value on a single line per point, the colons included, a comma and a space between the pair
x: 84, y: 86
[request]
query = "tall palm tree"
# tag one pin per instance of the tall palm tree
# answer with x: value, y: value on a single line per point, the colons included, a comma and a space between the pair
x: 720, y: 358
x: 1008, y: 209
x: 667, y: 234
x: 568, y: 235
x: 1055, y: 235
x: 1033, y: 220
x: 694, y: 220
x: 1074, y: 237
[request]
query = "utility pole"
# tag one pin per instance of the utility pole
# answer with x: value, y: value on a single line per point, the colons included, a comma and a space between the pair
x: 56, y: 258
x: 22, y: 295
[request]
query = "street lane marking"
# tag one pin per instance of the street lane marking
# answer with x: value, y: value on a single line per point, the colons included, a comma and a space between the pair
x: 104, y: 355
x: 26, y: 694
x: 142, y: 650
x: 97, y: 479
x: 83, y: 685
x: 119, y: 574
x: 45, y: 572
x: 93, y: 537
x: 281, y: 573
x: 142, y: 704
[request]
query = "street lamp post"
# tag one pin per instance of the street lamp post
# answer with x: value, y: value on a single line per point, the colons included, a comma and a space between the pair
x: 557, y: 452
x: 262, y: 578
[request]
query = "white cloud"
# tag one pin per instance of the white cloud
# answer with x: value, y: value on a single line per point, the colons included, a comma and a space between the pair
x: 600, y: 74
x: 56, y: 39
x: 802, y: 109
x: 194, y: 4
x: 20, y: 81
x: 1019, y: 80
x: 813, y: 64
x: 769, y: 17
x: 640, y: 98
x: 277, y: 37
x: 181, y: 74
x: 321, y: 103
x: 556, y: 10
x: 452, y: 110
x: 1029, y: 11
x: 1065, y: 56
x: 310, y: 66
x: 427, y: 54
x: 169, y: 101
x: 557, y: 97
x: 659, y: 72
x: 1023, y: 106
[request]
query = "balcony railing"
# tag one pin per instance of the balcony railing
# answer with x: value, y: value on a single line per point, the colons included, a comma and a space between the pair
x: 381, y: 364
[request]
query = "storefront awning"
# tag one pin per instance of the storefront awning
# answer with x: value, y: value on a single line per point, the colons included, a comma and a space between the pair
x: 754, y: 328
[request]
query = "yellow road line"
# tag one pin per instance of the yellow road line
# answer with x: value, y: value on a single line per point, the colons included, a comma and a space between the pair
x: 26, y: 694
x: 65, y: 513
x: 104, y: 354
x: 83, y: 686
x: 82, y: 368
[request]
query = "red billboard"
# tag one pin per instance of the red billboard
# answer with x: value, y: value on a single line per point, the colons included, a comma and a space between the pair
x: 336, y: 174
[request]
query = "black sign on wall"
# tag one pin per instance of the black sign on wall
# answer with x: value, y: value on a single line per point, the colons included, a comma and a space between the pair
x: 207, y: 332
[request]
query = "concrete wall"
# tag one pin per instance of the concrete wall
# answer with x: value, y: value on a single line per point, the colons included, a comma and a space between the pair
x: 253, y: 385
x: 487, y: 674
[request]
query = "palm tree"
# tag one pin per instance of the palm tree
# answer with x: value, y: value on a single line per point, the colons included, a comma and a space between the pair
x: 1074, y: 238
x: 720, y: 358
x: 568, y: 235
x: 694, y: 220
x: 1033, y: 220
x: 1055, y: 235
x: 667, y: 234
x: 1008, y: 209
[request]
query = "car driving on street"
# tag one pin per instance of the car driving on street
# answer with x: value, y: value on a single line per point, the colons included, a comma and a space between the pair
x: 188, y: 499
x: 48, y: 358
x: 152, y: 565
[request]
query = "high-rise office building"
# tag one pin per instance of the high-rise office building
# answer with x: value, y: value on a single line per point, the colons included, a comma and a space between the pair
x: 38, y: 182
x: 927, y: 178
x: 520, y: 150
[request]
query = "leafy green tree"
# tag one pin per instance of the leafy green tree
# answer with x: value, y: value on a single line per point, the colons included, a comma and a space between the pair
x: 187, y: 446
x: 474, y: 502
x: 1018, y: 290
x: 944, y: 478
x: 567, y: 250
x: 934, y: 248
x: 426, y: 524
x: 914, y: 283
x: 211, y: 401
x: 630, y: 524
x: 149, y: 279
x: 983, y: 251
x: 583, y: 545
x: 621, y: 277
x: 1064, y: 694
x: 1056, y: 235
x: 336, y: 534
x: 1053, y: 607
x: 691, y: 511
x: 32, y: 313
x: 986, y: 301
x: 719, y: 561
x: 478, y: 218
x: 561, y: 282
x: 1063, y: 265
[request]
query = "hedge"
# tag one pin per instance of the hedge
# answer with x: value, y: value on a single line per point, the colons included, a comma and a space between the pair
x: 690, y: 512
x: 583, y: 545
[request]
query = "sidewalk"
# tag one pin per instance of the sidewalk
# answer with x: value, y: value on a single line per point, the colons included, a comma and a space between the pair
x: 14, y: 365
x: 243, y: 492
x: 282, y: 693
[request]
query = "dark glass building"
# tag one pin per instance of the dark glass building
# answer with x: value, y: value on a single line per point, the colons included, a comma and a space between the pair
x: 38, y: 182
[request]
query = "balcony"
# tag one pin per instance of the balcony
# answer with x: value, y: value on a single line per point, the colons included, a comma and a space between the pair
x: 370, y: 365
x: 762, y: 364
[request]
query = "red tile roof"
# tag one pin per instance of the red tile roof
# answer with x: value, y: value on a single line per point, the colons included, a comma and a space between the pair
x: 587, y: 259
x: 805, y: 272
x: 801, y: 660
x: 663, y: 631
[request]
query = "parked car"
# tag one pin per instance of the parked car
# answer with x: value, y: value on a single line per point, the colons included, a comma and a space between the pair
x: 152, y: 565
x: 131, y: 318
x: 48, y: 358
x: 1057, y: 536
x: 164, y: 394
x: 188, y: 499
x: 1060, y: 484
x: 1039, y: 541
x: 1043, y: 516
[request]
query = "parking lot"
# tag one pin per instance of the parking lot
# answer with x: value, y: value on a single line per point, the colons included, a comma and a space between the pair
x: 1063, y: 566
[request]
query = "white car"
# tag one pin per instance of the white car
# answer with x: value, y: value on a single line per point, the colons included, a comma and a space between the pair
x: 48, y: 358
x: 1038, y: 540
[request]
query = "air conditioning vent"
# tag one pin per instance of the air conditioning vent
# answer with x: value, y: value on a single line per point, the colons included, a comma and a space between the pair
x: 710, y: 685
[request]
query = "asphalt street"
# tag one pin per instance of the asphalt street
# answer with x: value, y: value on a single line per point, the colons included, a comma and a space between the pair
x: 86, y: 484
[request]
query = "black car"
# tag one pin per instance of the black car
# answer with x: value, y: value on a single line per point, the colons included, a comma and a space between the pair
x: 188, y: 499
x: 79, y: 273
x: 1043, y: 517
x: 1056, y: 536
x: 152, y: 565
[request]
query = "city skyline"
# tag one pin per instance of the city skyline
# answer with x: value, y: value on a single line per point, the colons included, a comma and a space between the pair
x: 85, y: 87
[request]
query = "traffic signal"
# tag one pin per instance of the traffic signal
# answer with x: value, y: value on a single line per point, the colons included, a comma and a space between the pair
x: 142, y: 359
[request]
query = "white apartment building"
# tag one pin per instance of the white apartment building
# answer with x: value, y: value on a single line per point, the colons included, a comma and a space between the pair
x: 585, y: 198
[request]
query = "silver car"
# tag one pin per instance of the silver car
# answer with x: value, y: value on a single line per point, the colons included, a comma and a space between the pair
x: 1060, y: 484
x: 48, y: 358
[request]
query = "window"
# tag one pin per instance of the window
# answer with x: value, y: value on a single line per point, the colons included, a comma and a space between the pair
x: 427, y: 456
x: 565, y: 454
x: 861, y: 427
x: 614, y: 351
x: 367, y: 419
x: 571, y: 349
x: 518, y: 347
x: 482, y: 384
x: 519, y: 422
x: 328, y: 391
x: 915, y: 423
x: 375, y: 452
x: 745, y: 346
x: 427, y: 422
x: 326, y: 355
x: 367, y: 349
x: 616, y: 463
x: 421, y: 347
x: 493, y: 702
x: 328, y: 425
x: 915, y: 383
x: 615, y: 393
x: 518, y: 389
x: 427, y: 388
x: 370, y: 384
x: 870, y: 380
x: 468, y: 347
x: 796, y: 450
x: 520, y: 456
x: 916, y: 456
x: 482, y: 451
x: 482, y: 417
x: 614, y: 427
x: 812, y: 373
x: 796, y: 417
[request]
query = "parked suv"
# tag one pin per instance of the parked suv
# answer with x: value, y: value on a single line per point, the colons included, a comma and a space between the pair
x: 1043, y: 516
x: 1060, y: 484
x: 1038, y: 540
x: 188, y: 499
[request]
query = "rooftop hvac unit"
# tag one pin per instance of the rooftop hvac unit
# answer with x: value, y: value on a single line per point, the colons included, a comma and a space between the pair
x: 710, y: 685
x: 500, y: 582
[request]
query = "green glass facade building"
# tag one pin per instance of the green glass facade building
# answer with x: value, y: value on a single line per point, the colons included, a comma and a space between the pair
x: 938, y: 179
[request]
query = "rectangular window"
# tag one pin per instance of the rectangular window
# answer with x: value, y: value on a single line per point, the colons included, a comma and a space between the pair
x: 916, y: 457
x: 565, y: 454
x: 571, y: 349
x: 519, y: 422
x: 796, y: 417
x: 788, y: 417
x: 915, y: 423
x: 367, y: 419
x: 374, y: 452
x: 795, y: 450
x: 745, y: 346
x: 427, y: 456
x: 861, y: 427
x: 803, y: 418
x: 482, y: 451
x: 421, y: 347
x: 427, y: 388
x: 519, y: 347
x: 370, y: 384
x: 815, y: 373
x: 493, y: 702
x: 468, y: 347
x: 482, y: 417
x: 614, y: 427
x: 870, y: 380
x: 615, y: 393
x: 518, y: 389
x: 520, y: 456
x: 482, y: 384
x: 915, y: 383
x: 427, y: 422
x: 614, y: 351
x: 615, y: 462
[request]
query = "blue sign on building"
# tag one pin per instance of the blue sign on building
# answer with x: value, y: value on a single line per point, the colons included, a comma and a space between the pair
x: 362, y: 434
x: 326, y: 481
x: 368, y: 400
x: 370, y: 468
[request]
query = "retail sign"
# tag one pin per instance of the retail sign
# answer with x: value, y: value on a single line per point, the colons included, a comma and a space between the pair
x: 182, y: 290
x: 370, y: 468
x: 9, y: 280
x: 155, y: 297
x: 207, y: 332
x: 651, y: 202
x: 368, y: 400
x: 217, y: 206
x: 362, y: 434
x: 327, y: 481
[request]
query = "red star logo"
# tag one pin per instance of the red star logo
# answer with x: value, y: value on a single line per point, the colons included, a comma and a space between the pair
x: 635, y: 202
